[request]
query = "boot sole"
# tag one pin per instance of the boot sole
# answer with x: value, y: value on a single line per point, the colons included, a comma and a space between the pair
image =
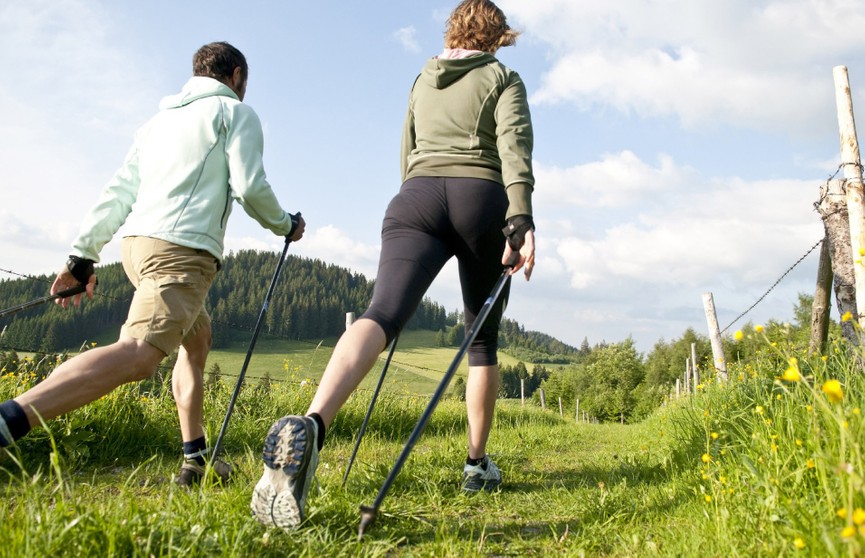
x: 278, y: 499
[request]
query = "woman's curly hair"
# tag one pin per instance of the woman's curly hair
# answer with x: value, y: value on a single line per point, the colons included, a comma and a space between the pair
x: 478, y: 25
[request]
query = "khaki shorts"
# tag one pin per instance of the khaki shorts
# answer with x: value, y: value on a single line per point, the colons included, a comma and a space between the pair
x: 171, y: 283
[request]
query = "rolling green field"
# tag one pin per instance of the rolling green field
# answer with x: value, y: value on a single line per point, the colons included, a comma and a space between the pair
x: 416, y: 368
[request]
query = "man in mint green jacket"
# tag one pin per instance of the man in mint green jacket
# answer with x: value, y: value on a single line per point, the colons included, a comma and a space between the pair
x: 174, y: 192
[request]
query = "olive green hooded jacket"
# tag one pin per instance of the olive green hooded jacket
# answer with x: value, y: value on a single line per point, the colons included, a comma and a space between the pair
x: 469, y: 117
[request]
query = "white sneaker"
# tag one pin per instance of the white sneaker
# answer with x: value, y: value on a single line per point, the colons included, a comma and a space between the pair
x: 484, y: 476
x: 290, y: 457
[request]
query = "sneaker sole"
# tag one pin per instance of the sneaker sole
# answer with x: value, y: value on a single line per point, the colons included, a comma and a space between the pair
x: 489, y: 486
x: 285, y: 460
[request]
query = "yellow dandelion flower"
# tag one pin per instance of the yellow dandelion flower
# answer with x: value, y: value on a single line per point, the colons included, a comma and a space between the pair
x: 714, y: 435
x: 759, y: 409
x: 856, y: 411
x: 810, y: 464
x: 707, y: 498
x: 824, y: 358
x: 704, y: 476
x: 706, y: 458
x: 848, y: 532
x: 738, y: 336
x: 758, y: 328
x: 846, y: 317
x: 842, y: 513
x: 791, y: 374
x: 809, y: 408
x: 833, y: 391
x: 774, y: 447
x: 798, y: 442
x: 799, y: 543
x: 859, y: 516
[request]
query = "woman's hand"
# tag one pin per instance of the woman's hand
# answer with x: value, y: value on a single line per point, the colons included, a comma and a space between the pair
x: 524, y: 258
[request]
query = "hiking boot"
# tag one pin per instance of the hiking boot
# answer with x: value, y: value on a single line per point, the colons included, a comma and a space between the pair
x: 290, y: 457
x: 191, y: 472
x: 484, y: 476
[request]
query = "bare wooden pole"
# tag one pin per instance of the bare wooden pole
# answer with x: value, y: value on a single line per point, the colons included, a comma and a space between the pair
x: 821, y: 305
x: 523, y: 391
x: 577, y: 414
x: 853, y: 176
x: 715, y: 336
x: 695, y: 372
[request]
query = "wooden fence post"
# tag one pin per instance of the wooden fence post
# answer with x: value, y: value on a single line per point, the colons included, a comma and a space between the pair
x: 833, y: 210
x: 523, y: 391
x: 821, y: 305
x: 543, y: 400
x: 853, y: 178
x: 695, y: 371
x: 715, y: 336
x: 678, y: 388
x: 561, y: 410
x: 687, y: 375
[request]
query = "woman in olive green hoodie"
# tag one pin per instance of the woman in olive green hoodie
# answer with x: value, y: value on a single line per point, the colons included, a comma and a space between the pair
x: 467, y: 177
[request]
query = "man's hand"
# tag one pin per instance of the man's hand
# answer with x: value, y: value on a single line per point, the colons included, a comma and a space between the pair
x: 297, y: 229
x: 65, y: 280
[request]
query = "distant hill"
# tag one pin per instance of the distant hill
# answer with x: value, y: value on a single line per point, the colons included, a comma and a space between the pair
x: 310, y: 302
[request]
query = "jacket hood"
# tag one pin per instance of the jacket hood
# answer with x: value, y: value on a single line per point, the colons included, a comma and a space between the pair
x: 196, y: 88
x: 441, y: 72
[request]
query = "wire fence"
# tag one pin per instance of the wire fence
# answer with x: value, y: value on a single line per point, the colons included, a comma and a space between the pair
x: 162, y: 370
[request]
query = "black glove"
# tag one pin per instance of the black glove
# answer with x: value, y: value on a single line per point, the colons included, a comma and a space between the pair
x: 295, y: 221
x: 516, y: 230
x: 80, y: 268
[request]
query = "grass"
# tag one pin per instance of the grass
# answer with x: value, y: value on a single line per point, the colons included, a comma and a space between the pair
x: 756, y: 466
x: 416, y: 368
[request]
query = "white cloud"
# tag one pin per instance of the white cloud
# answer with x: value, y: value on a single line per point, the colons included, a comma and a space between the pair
x: 407, y: 37
x: 765, y: 65
x: 618, y: 179
x: 331, y: 244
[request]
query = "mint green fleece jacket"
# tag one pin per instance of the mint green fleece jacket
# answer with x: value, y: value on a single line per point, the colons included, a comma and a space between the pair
x: 469, y: 117
x: 202, y: 150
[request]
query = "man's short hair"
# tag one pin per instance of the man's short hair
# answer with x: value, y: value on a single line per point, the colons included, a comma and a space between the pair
x: 218, y: 61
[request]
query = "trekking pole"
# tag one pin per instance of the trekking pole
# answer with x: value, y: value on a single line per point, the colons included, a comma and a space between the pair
x: 368, y: 513
x: 217, y: 445
x: 369, y: 411
x: 80, y: 288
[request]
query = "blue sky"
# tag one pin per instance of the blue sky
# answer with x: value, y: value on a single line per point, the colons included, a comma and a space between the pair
x: 680, y: 144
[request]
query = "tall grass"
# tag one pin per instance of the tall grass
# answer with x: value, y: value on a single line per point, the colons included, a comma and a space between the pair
x: 768, y: 463
x: 777, y: 452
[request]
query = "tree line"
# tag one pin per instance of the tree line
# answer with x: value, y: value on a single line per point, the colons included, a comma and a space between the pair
x: 614, y: 382
x: 309, y: 303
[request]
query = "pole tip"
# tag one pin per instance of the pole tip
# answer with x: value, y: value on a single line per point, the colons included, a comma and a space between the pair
x: 367, y: 517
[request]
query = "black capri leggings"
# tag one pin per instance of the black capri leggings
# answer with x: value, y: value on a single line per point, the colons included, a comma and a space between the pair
x: 427, y: 222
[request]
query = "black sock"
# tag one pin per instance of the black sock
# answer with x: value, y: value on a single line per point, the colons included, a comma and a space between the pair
x: 321, y: 428
x: 482, y: 461
x: 195, y: 450
x: 16, y: 421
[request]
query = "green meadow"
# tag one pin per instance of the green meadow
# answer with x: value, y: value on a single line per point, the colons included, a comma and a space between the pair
x: 768, y: 463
